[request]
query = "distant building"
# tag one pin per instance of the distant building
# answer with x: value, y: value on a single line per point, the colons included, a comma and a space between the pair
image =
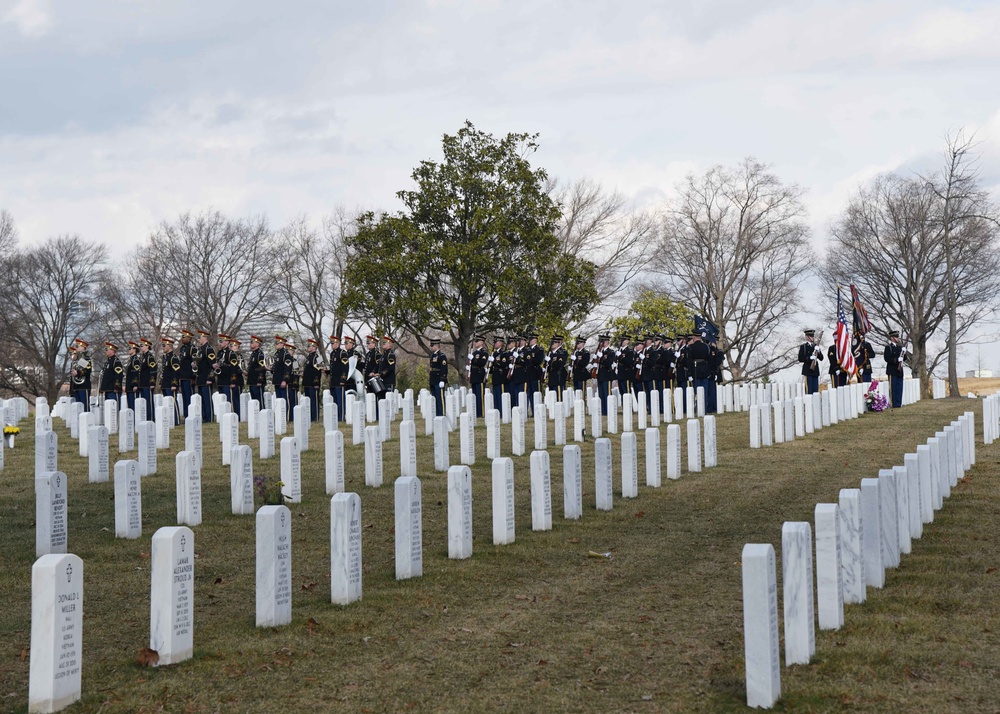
x: 979, y: 374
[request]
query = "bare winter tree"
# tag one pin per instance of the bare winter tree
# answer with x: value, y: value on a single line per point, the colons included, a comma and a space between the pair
x: 219, y: 272
x: 310, y: 274
x: 601, y: 226
x: 49, y: 301
x: 890, y: 241
x: 8, y: 233
x: 735, y: 249
x: 963, y: 201
x: 140, y: 303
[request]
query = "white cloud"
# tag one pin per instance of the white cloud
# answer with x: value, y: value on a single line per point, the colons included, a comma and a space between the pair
x: 33, y: 18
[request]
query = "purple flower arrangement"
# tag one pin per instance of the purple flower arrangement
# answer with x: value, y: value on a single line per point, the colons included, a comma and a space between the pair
x: 876, y: 402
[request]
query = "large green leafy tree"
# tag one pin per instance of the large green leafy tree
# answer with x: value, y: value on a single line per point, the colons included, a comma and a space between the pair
x: 474, y: 250
x: 652, y: 312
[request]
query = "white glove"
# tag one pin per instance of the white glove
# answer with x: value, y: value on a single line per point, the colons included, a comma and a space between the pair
x: 469, y: 355
x: 490, y: 360
x: 547, y: 358
x: 614, y: 366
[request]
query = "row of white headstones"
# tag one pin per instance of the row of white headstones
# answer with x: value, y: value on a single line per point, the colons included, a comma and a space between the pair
x: 857, y: 539
x: 790, y: 419
x: 57, y: 596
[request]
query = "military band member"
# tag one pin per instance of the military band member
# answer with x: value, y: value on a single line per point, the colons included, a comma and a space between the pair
x: 555, y: 366
x: 387, y: 364
x: 498, y: 365
x: 810, y: 355
x: 257, y: 370
x: 895, y: 357
x: 294, y: 378
x: 312, y: 374
x: 132, y: 369
x: 438, y: 375
x: 203, y: 362
x: 350, y: 346
x: 534, y: 363
x: 479, y: 358
x: 337, y: 371
x: 838, y: 377
x: 225, y: 373
x: 580, y: 364
x: 147, y: 375
x: 240, y: 382
x: 113, y: 374
x: 863, y: 353
x: 170, y: 374
x: 81, y: 369
x: 625, y: 361
x: 372, y: 359
x: 280, y: 369
x: 603, y: 361
x: 186, y: 373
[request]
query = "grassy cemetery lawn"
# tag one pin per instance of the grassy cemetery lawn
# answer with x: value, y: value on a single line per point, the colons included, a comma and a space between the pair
x: 653, y: 623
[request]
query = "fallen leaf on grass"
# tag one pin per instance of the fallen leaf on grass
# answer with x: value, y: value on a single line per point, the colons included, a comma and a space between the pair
x: 218, y: 581
x: 308, y: 586
x: 965, y: 664
x: 542, y: 662
x: 572, y: 540
x: 509, y: 644
x: 24, y: 653
x: 147, y: 657
x: 640, y: 514
x: 143, y: 555
x: 312, y: 625
x: 990, y: 570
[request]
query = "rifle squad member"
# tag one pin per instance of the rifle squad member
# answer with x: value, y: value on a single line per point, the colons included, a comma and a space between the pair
x: 498, y: 365
x: 699, y: 364
x: 479, y: 357
x: 555, y: 366
x: 517, y: 374
x: 580, y: 364
x: 81, y: 368
x: 604, y: 361
x: 534, y: 361
x: 312, y: 375
x: 810, y: 355
x: 438, y: 375
x: 132, y: 369
x: 257, y: 370
x: 625, y: 364
x: 113, y: 374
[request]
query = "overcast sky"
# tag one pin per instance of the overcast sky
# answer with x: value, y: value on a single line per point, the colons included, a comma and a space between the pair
x: 118, y: 114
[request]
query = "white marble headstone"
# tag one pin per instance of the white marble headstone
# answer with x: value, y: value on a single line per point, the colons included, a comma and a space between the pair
x: 274, y: 565
x: 55, y: 672
x: 797, y: 587
x: 851, y: 549
x: 653, y: 462
x: 673, y: 451
x: 50, y: 513
x: 188, y: 488
x: 291, y: 470
x: 872, y: 545
x: 603, y: 478
x: 459, y: 512
x: 345, y: 547
x: 541, y: 492
x: 241, y: 480
x: 503, y: 500
x: 409, y: 529
x: 630, y: 465
x: 373, y: 456
x: 760, y: 626
x: 98, y: 459
x: 829, y: 589
x: 171, y: 629
x: 128, y: 499
x: 572, y: 482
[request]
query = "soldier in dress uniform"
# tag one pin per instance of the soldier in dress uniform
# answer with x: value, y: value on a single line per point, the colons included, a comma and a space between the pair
x: 479, y: 359
x: 147, y: 374
x: 810, y: 355
x: 224, y: 370
x: 838, y: 377
x: 338, y: 374
x: 535, y: 361
x: 257, y: 370
x: 186, y: 373
x: 113, y: 374
x: 651, y: 355
x: 580, y: 364
x: 555, y: 366
x: 237, y: 378
x: 895, y: 357
x: 132, y: 369
x: 280, y: 369
x: 715, y: 378
x: 204, y: 360
x: 293, y: 376
x: 680, y: 365
x: 625, y: 361
x: 438, y: 375
x: 699, y: 364
x: 81, y: 369
x: 498, y: 364
x: 863, y: 353
x: 604, y: 361
x: 312, y: 375
x: 387, y: 364
x: 517, y: 374
x: 372, y: 358
x: 662, y: 349
x: 170, y: 375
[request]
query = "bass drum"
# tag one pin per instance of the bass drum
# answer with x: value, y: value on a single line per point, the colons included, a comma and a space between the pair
x: 375, y: 384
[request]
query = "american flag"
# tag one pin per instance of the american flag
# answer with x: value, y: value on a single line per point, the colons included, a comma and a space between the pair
x: 842, y: 338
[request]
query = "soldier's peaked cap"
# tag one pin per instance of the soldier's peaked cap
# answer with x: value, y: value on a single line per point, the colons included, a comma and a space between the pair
x: 810, y: 333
